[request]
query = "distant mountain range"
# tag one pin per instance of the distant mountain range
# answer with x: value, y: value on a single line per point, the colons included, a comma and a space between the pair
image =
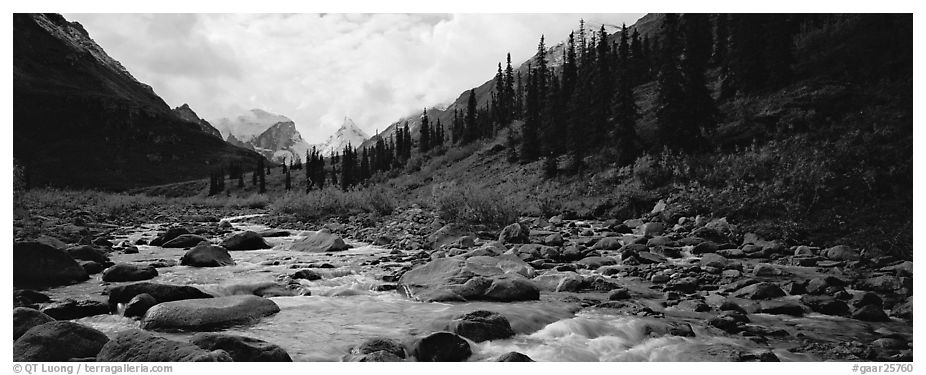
x: 275, y: 136
x: 81, y: 120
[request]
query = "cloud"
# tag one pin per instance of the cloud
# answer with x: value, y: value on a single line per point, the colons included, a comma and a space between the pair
x: 319, y: 68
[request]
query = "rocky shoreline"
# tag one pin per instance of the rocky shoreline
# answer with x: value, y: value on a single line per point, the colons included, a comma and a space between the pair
x: 694, y: 275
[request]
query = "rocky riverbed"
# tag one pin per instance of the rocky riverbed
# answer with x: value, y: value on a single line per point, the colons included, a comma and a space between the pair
x: 409, y: 286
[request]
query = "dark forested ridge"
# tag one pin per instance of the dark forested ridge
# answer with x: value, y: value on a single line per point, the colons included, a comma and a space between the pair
x: 803, y: 120
x: 80, y: 120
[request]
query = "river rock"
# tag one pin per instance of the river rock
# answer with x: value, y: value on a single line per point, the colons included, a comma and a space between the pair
x: 779, y: 307
x: 447, y: 234
x: 840, y: 252
x: 28, y: 298
x: 477, y: 278
x: 377, y: 349
x: 870, y: 313
x: 513, y: 357
x: 320, y: 242
x: 184, y: 241
x: 25, y: 318
x: 160, y: 292
x: 481, y: 325
x: 247, y: 240
x: 91, y: 267
x: 904, y: 310
x: 208, y: 313
x: 713, y: 260
x: 75, y: 309
x: 608, y: 243
x: 765, y: 270
x: 760, y: 291
x: 883, y: 283
x: 129, y: 272
x: 207, y: 255
x: 139, y: 305
x: 58, y: 342
x: 306, y: 274
x: 40, y: 264
x: 515, y: 233
x: 87, y: 252
x: 241, y: 348
x: 135, y: 345
x: 168, y: 235
x: 441, y: 347
x: 826, y: 305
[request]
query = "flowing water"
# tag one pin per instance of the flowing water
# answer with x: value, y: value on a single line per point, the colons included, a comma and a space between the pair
x: 345, y: 309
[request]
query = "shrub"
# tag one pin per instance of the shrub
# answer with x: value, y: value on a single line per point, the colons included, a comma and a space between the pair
x: 474, y: 205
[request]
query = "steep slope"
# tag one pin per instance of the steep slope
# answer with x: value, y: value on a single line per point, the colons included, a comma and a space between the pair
x: 186, y: 113
x: 281, y: 143
x: 248, y: 125
x: 81, y: 120
x: 647, y: 26
x: 272, y: 135
x: 348, y: 133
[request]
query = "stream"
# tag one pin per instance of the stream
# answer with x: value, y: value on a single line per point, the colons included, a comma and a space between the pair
x: 346, y: 307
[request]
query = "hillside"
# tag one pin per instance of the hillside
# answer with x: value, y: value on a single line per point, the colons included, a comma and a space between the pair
x: 824, y: 158
x: 81, y: 120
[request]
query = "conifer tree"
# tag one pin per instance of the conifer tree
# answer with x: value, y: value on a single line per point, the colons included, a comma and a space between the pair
x: 529, y: 139
x: 287, y: 184
x: 626, y: 110
x: 699, y: 106
x: 549, y: 165
x: 261, y: 177
x: 472, y: 130
x: 512, y: 145
x: 424, y: 140
x: 364, y: 166
x: 509, y: 92
x: 670, y: 111
x: 721, y: 39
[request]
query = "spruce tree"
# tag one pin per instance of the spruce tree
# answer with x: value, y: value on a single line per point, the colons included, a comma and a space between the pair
x: 721, y: 39
x: 670, y: 111
x: 424, y: 140
x: 472, y: 130
x: 549, y: 165
x: 287, y: 178
x: 364, y: 166
x: 627, y: 112
x: 509, y: 92
x: 261, y: 177
x: 700, y: 111
x: 512, y: 145
x: 529, y: 138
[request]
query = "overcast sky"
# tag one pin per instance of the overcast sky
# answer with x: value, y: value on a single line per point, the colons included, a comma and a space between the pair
x: 317, y: 69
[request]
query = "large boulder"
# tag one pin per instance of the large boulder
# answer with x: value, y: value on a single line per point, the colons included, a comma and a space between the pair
x: 870, y: 313
x: 207, y: 255
x: 377, y: 349
x: 515, y: 233
x: 441, y: 347
x: 28, y: 298
x: 840, y: 252
x: 760, y: 291
x: 135, y: 345
x: 241, y: 348
x: 168, y: 235
x: 448, y: 234
x: 25, y: 318
x: 513, y: 357
x: 129, y: 272
x: 478, y: 278
x: 826, y: 305
x: 75, y: 309
x: 184, y: 241
x: 58, y: 342
x: 481, y: 326
x: 245, y: 241
x: 160, y: 292
x: 197, y: 314
x: 608, y: 243
x: 320, y: 242
x: 139, y: 305
x: 35, y: 263
x: 87, y: 252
